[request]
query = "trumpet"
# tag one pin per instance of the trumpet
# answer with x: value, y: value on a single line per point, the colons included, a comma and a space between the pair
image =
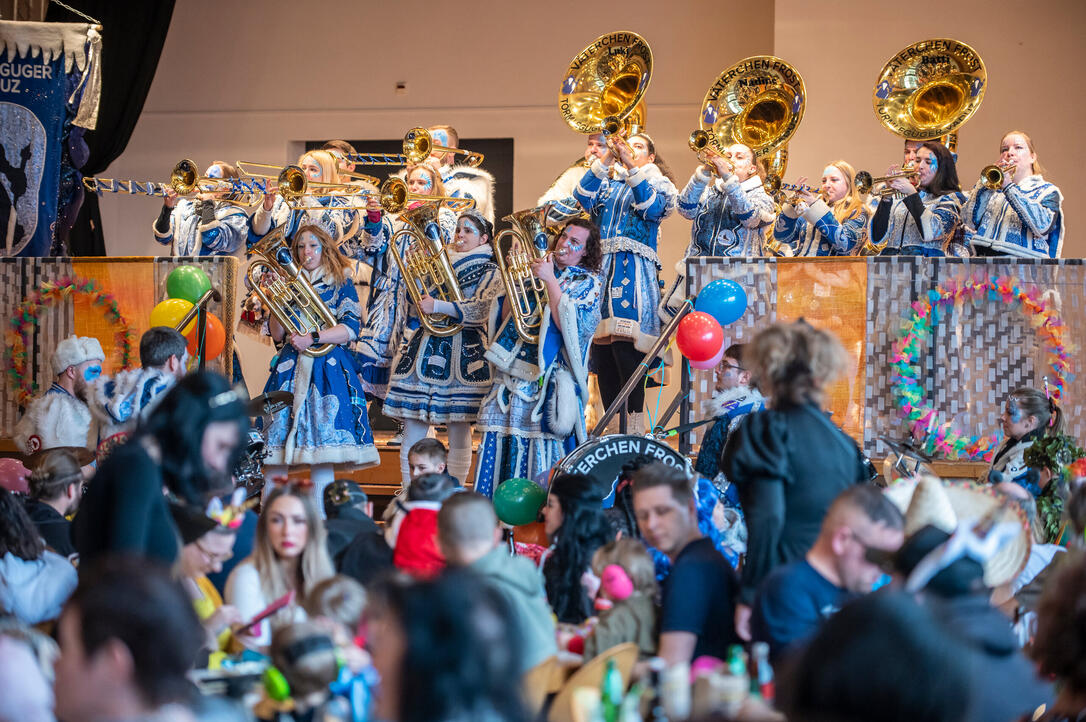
x: 185, y: 180
x: 515, y: 250
x: 418, y: 145
x: 700, y: 143
x: 865, y: 182
x: 992, y: 175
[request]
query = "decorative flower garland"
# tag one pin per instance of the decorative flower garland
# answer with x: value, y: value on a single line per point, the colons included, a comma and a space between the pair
x: 26, y: 320
x: 920, y: 323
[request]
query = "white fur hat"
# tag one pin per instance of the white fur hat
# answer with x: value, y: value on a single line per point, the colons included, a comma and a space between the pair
x: 75, y: 350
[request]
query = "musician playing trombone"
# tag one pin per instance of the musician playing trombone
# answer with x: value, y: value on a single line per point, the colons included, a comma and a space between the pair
x: 443, y: 379
x: 829, y: 223
x: 205, y: 225
x: 534, y: 413
x: 923, y: 220
x: 1019, y: 215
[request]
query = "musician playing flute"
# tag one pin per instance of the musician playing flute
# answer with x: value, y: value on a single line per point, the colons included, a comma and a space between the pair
x: 443, y: 379
x: 206, y: 225
x: 1024, y: 216
x: 534, y: 413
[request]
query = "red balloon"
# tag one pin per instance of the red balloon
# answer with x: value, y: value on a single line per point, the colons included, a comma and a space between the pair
x: 699, y: 336
x: 214, y: 341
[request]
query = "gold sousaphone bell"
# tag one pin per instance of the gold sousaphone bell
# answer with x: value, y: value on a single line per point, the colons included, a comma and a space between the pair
x: 604, y: 87
x: 758, y: 102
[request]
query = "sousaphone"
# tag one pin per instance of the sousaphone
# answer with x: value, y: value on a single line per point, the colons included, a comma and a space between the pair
x: 758, y: 102
x: 604, y: 87
x: 929, y: 90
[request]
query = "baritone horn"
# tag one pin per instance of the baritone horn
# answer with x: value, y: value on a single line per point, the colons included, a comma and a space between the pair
x: 992, y: 175
x: 758, y: 102
x: 604, y: 87
x: 289, y: 296
x: 515, y: 250
x: 425, y: 266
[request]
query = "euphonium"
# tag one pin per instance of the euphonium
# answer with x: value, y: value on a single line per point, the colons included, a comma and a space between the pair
x: 425, y: 266
x: 290, y: 298
x: 992, y: 175
x: 515, y: 249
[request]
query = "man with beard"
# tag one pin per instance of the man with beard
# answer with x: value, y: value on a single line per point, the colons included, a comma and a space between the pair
x: 60, y: 417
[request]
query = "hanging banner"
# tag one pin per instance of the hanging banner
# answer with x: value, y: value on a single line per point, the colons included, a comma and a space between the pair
x: 49, y: 75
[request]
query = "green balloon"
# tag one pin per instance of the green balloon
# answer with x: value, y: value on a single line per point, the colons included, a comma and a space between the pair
x: 518, y: 501
x: 187, y: 282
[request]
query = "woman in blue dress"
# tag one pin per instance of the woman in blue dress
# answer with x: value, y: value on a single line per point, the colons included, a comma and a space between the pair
x: 386, y: 320
x: 443, y: 379
x: 327, y: 426
x: 534, y: 413
x: 627, y: 200
x: 831, y: 223
x: 204, y: 225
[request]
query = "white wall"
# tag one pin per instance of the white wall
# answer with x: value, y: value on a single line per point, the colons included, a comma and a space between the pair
x: 1033, y: 52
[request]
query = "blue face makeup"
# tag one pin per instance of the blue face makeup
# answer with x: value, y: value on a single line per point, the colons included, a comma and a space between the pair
x: 1013, y: 412
x: 934, y: 164
x: 440, y: 138
x: 91, y: 373
x: 214, y: 171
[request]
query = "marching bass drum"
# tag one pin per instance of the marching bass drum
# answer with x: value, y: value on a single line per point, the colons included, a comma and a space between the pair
x: 602, y: 459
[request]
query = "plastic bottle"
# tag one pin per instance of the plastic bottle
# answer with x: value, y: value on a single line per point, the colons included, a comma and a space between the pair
x: 611, y: 690
x: 761, y: 678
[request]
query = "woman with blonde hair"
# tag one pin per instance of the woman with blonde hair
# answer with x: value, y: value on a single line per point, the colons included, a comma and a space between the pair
x: 829, y: 223
x: 788, y: 461
x: 289, y: 555
x: 327, y: 426
x: 1023, y: 217
x: 317, y: 207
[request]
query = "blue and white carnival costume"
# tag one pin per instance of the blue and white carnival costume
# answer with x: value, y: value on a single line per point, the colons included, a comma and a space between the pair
x: 342, y: 224
x: 730, y: 216
x: 1009, y: 460
x: 442, y: 379
x: 1024, y: 219
x: 327, y: 423
x: 561, y: 194
x: 386, y: 321
x: 123, y: 401
x: 193, y: 231
x: 920, y: 224
x: 465, y: 181
x: 815, y: 231
x: 628, y: 209
x: 728, y: 408
x: 534, y: 413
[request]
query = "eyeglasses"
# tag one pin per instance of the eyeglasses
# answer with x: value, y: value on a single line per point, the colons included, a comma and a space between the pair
x: 214, y: 558
x: 733, y: 366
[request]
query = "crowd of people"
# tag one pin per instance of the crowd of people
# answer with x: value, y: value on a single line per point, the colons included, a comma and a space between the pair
x: 115, y: 586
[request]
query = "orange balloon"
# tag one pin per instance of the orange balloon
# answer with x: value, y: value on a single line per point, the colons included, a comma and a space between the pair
x: 531, y: 534
x: 214, y: 341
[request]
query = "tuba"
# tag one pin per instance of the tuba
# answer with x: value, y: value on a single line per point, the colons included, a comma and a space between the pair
x: 758, y: 102
x: 929, y: 90
x: 290, y: 298
x: 425, y: 266
x: 604, y: 87
x: 515, y: 249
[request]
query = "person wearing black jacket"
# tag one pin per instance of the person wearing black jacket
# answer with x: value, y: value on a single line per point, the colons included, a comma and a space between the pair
x: 56, y: 486
x: 788, y: 461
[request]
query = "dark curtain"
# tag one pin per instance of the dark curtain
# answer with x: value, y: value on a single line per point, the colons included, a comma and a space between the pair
x: 133, y: 32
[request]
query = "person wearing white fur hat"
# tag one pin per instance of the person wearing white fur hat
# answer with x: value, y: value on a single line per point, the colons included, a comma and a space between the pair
x: 60, y: 417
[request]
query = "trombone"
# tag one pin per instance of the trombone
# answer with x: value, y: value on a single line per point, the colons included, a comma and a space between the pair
x: 292, y: 183
x: 992, y: 175
x: 185, y: 180
x: 418, y: 145
x: 776, y: 188
x: 865, y: 182
x: 700, y: 143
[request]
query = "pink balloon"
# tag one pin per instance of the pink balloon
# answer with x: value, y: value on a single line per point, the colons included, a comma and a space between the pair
x: 13, y: 475
x: 709, y: 363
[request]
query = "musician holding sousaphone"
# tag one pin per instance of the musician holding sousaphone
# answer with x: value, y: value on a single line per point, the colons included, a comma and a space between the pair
x: 534, y: 413
x: 326, y: 426
x: 1013, y: 210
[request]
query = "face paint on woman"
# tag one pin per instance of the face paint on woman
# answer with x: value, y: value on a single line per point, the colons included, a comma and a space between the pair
x: 1013, y: 412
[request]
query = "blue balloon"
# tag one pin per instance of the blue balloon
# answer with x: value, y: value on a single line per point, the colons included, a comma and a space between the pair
x: 723, y: 299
